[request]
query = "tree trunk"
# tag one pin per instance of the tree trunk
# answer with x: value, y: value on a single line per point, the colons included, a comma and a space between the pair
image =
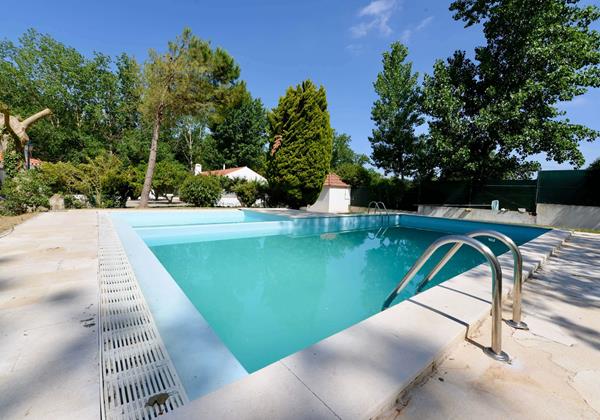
x: 19, y: 128
x: 151, y: 159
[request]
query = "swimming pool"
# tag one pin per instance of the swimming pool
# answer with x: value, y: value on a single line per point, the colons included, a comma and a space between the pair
x: 268, y: 285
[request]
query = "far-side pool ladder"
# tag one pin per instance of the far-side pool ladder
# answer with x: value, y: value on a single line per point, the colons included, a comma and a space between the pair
x: 516, y: 321
x: 495, y: 351
x: 379, y: 208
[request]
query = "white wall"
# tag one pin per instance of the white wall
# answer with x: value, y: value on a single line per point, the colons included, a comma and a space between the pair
x: 229, y: 200
x: 322, y: 203
x: 332, y: 200
x: 339, y: 200
x: 477, y: 214
x: 583, y: 217
x: 574, y: 217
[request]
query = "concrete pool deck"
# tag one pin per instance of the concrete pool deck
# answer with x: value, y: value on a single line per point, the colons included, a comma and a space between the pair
x: 49, y: 348
x: 48, y: 318
x: 555, y: 371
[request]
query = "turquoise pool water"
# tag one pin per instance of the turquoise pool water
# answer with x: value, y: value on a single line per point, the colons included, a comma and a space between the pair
x: 286, y: 285
x: 182, y: 218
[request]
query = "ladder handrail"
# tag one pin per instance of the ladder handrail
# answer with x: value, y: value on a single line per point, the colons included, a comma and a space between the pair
x: 516, y: 321
x: 496, y: 348
x: 369, y: 206
x: 387, y: 212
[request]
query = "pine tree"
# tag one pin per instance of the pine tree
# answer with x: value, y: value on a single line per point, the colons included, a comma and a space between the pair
x: 301, y: 145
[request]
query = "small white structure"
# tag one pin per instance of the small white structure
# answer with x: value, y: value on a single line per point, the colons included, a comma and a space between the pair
x: 334, y: 197
x: 230, y: 199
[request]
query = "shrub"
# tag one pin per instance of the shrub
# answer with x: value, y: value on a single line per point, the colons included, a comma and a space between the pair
x: 106, y: 182
x: 72, y: 202
x: 12, y: 161
x: 168, y: 177
x: 26, y: 191
x: 248, y: 192
x: 201, y: 190
x: 62, y: 177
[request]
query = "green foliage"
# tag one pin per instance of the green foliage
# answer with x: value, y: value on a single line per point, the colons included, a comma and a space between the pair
x: 12, y: 161
x: 241, y: 134
x: 91, y: 104
x: 26, y: 191
x: 106, y: 181
x: 488, y: 115
x: 201, y: 190
x: 595, y: 165
x: 186, y: 80
x: 248, y: 192
x: 62, y: 177
x: 396, y: 114
x: 297, y: 168
x: 71, y: 202
x: 356, y: 175
x: 168, y: 177
x: 192, y: 141
x: 342, y: 153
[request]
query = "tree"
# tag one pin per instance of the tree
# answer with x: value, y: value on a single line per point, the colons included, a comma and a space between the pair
x: 183, y: 81
x: 92, y: 103
x: 594, y: 166
x: 241, y: 134
x: 355, y: 174
x: 168, y: 178
x: 191, y: 133
x: 396, y: 114
x: 342, y: 153
x: 300, y: 152
x: 490, y: 114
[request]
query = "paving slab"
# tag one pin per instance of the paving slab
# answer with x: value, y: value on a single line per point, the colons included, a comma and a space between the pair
x: 270, y: 393
x: 555, y: 368
x: 48, y: 318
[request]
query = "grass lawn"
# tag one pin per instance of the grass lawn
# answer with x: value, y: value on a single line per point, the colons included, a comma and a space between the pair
x: 8, y: 222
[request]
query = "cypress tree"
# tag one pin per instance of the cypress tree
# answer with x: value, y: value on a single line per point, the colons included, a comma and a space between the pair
x: 301, y: 145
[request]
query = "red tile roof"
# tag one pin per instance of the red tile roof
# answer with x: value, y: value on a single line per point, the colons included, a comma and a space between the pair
x: 333, y: 180
x: 220, y: 172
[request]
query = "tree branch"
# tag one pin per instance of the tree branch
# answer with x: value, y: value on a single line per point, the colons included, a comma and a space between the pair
x: 5, y: 111
x: 30, y: 120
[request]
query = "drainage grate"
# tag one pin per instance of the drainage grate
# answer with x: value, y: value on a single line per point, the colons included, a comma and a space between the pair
x: 136, y: 368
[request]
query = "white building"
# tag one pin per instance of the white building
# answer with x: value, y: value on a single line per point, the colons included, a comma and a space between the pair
x: 334, y: 197
x: 230, y: 199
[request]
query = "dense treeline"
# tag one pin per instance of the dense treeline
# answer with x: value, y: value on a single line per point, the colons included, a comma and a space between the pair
x: 114, y: 128
x: 489, y: 114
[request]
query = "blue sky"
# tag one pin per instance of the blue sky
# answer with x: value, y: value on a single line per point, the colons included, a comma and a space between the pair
x: 280, y: 43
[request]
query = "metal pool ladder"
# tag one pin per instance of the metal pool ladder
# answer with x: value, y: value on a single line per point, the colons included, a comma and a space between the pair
x: 495, y: 351
x: 516, y: 321
x: 379, y: 208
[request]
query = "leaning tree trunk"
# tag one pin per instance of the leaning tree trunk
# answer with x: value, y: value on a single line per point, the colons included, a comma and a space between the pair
x: 151, y: 159
x: 19, y: 128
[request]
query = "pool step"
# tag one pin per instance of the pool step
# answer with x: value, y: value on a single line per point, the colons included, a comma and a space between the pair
x: 139, y: 380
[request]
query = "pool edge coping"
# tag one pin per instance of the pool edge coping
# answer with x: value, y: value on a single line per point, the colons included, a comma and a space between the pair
x: 153, y: 278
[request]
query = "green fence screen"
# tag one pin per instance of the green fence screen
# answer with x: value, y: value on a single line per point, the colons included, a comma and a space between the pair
x: 571, y: 187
